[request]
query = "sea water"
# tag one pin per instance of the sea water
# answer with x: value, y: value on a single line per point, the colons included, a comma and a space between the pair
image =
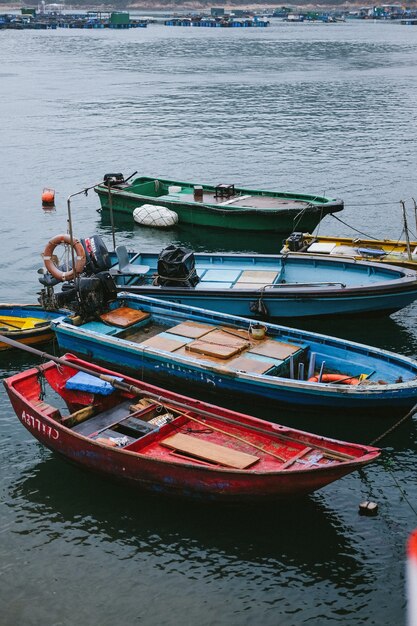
x: 327, y: 109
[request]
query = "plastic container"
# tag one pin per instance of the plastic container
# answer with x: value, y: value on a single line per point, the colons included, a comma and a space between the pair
x: 257, y: 331
x: 174, y: 189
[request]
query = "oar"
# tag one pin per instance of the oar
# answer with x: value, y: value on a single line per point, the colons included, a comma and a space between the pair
x: 118, y: 384
x: 12, y: 325
x: 136, y: 390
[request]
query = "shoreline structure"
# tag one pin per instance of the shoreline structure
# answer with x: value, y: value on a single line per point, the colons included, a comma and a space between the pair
x: 195, y: 5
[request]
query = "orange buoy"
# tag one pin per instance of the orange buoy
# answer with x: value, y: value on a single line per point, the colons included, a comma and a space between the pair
x: 48, y: 198
x: 341, y: 379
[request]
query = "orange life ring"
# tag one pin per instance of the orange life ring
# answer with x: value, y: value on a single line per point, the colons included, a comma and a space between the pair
x: 80, y: 259
x: 343, y: 379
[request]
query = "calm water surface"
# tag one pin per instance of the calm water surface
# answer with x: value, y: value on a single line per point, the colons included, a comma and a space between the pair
x: 317, y: 108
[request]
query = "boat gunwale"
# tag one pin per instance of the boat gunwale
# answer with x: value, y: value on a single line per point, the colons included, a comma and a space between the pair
x: 372, y: 453
x: 311, y: 205
x: 269, y: 381
x: 406, y: 276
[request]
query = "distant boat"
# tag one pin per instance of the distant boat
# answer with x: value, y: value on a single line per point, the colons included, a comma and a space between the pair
x: 28, y: 323
x: 219, y: 353
x: 221, y: 206
x: 168, y: 444
x: 401, y: 253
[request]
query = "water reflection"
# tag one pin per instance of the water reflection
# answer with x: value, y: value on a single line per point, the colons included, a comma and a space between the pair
x: 194, y: 237
x: 60, y: 501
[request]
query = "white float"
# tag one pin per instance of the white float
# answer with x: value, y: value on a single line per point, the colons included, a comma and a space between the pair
x: 154, y: 215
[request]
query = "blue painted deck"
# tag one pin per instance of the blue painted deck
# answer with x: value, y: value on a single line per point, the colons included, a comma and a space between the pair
x: 280, y: 380
x: 288, y: 286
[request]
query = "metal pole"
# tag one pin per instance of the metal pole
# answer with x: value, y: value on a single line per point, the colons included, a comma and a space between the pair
x: 71, y: 237
x: 111, y: 214
x: 407, y: 236
x: 415, y: 211
x: 71, y: 232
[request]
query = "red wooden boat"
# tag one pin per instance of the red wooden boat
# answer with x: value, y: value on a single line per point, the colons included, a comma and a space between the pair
x: 167, y: 443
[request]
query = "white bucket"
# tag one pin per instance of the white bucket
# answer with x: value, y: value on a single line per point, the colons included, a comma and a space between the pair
x: 174, y: 189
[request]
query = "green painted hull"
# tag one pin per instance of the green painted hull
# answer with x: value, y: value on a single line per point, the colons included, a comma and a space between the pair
x: 300, y: 212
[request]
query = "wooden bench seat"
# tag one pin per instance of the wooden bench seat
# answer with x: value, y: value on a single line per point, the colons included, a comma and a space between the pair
x: 103, y: 420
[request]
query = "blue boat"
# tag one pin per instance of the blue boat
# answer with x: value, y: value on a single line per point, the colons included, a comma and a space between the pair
x: 173, y: 343
x: 266, y: 286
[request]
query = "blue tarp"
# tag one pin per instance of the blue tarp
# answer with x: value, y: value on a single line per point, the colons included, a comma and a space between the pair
x: 85, y: 382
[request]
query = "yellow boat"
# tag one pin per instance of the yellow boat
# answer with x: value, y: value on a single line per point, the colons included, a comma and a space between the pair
x: 28, y: 323
x: 400, y: 253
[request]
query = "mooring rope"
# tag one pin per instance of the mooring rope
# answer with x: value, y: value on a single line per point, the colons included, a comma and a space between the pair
x: 355, y: 229
x: 392, y: 428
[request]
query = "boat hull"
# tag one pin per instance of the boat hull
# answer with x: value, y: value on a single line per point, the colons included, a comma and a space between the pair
x: 37, y: 334
x: 306, y: 213
x: 303, y: 285
x: 283, y: 306
x: 187, y: 481
x: 386, y: 251
x: 171, y: 369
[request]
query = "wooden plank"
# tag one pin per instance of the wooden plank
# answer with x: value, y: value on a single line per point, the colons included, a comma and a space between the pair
x: 202, y: 357
x: 274, y: 349
x: 296, y: 457
x: 265, y: 277
x: 225, y: 338
x: 209, y: 451
x: 252, y: 366
x: 220, y: 344
x: 220, y: 352
x: 193, y: 330
x: 103, y: 420
x: 163, y: 343
x: 123, y: 317
x: 237, y: 332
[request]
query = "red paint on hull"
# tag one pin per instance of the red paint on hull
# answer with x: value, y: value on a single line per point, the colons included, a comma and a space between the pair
x: 149, y: 465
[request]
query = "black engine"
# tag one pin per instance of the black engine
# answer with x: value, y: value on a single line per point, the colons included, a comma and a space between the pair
x: 295, y: 242
x: 91, y: 291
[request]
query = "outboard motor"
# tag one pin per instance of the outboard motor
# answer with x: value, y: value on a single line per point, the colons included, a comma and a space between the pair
x: 88, y: 297
x: 113, y: 179
x: 93, y: 288
x: 295, y: 242
x: 97, y: 255
x: 176, y: 267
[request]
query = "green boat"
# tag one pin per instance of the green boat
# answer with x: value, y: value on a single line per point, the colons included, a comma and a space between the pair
x: 221, y: 206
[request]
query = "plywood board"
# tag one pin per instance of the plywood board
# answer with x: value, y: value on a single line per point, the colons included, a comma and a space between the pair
x: 123, y: 317
x: 225, y: 338
x: 274, y: 349
x: 219, y: 344
x: 209, y: 451
x: 219, y: 351
x: 193, y: 330
x: 237, y: 332
x: 205, y: 358
x: 162, y: 343
x: 264, y: 277
x: 251, y: 366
